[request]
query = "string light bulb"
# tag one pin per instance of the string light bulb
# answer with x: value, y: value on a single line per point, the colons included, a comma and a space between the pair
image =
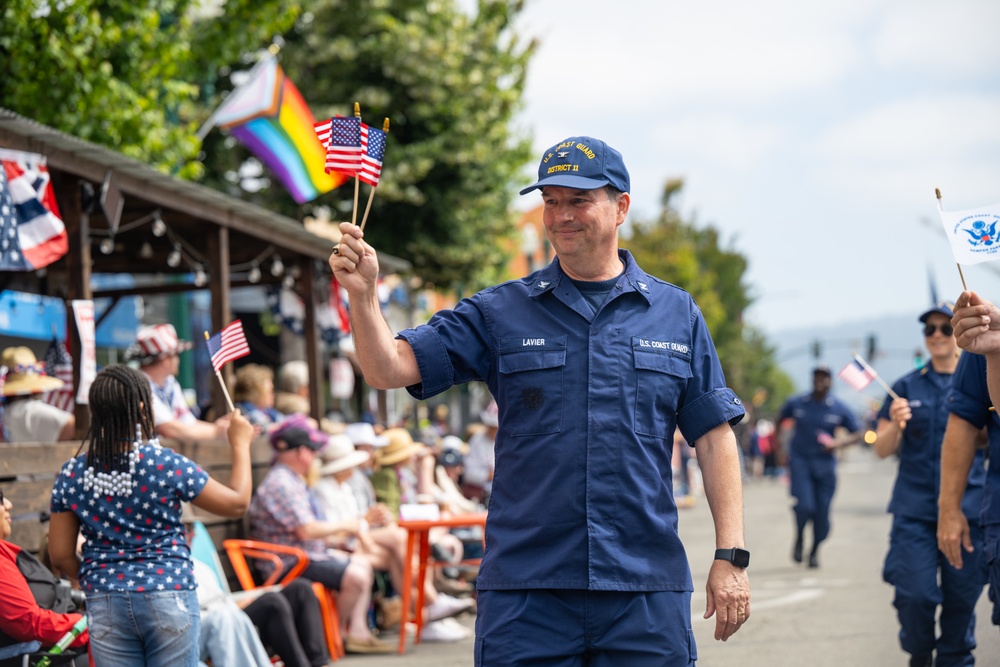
x: 107, y: 246
x: 277, y: 267
x: 288, y: 282
x: 174, y: 258
x: 145, y: 250
x: 159, y: 227
x: 254, y: 274
x: 200, y: 277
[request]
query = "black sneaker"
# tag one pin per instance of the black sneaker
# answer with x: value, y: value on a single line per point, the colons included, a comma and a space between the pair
x: 921, y: 661
x: 797, y: 551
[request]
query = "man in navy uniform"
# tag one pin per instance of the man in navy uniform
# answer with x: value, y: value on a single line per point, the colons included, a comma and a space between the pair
x: 812, y: 458
x: 592, y: 363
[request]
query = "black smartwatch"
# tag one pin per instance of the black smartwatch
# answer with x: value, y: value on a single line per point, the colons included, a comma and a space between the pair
x: 736, y: 556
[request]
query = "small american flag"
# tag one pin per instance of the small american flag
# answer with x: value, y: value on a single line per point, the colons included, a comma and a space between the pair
x: 343, y: 144
x: 228, y: 345
x: 856, y: 376
x: 373, y: 141
x: 59, y: 364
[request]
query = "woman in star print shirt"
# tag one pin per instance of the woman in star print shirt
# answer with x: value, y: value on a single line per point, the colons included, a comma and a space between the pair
x: 124, y: 494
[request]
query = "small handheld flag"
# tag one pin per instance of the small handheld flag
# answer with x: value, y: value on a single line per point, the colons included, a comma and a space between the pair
x: 227, y: 345
x: 974, y: 234
x: 371, y: 163
x: 855, y: 375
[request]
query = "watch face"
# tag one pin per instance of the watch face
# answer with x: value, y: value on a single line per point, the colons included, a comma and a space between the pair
x: 741, y: 557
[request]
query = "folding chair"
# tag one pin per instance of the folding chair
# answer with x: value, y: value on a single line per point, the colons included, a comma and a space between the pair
x: 239, y: 551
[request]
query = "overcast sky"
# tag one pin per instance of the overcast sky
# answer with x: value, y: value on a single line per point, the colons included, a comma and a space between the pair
x: 812, y: 134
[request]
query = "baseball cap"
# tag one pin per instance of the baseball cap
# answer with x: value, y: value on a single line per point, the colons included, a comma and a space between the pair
x: 583, y: 163
x: 296, y: 431
x: 942, y: 307
x: 449, y: 458
x: 822, y: 369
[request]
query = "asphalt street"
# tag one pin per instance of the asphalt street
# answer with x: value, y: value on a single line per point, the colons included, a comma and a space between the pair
x: 839, y: 614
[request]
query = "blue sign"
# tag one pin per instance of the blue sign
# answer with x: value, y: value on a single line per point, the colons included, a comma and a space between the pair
x: 26, y: 315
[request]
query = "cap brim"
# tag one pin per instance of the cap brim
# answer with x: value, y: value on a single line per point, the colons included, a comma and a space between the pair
x: 934, y: 311
x: 136, y: 353
x: 567, y: 181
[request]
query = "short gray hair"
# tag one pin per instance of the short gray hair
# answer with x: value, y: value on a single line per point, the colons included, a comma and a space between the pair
x: 292, y: 376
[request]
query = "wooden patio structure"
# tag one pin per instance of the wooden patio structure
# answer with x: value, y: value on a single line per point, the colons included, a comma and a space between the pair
x: 217, y: 238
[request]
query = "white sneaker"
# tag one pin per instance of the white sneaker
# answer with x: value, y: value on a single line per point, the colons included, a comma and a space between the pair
x: 445, y: 630
x: 446, y: 606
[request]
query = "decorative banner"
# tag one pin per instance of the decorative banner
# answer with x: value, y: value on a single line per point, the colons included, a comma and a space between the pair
x: 341, y: 378
x: 32, y: 234
x: 83, y: 313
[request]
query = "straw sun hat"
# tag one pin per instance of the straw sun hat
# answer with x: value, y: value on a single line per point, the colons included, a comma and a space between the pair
x: 401, y: 447
x: 25, y: 375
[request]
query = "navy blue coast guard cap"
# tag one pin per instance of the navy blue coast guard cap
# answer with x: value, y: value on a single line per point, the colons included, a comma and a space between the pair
x: 583, y: 163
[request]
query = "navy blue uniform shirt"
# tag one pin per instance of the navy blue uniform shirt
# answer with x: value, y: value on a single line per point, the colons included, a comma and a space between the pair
x: 812, y: 418
x: 969, y: 398
x: 918, y: 481
x: 588, y: 403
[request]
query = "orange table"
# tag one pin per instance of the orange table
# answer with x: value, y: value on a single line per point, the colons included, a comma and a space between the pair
x: 418, y: 532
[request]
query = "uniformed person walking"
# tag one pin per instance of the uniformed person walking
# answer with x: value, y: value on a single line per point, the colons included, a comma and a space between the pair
x: 912, y: 428
x: 592, y: 363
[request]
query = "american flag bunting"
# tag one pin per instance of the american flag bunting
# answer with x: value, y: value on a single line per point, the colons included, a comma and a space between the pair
x: 59, y: 364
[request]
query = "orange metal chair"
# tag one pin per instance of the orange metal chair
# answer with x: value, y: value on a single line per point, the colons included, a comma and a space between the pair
x: 239, y: 551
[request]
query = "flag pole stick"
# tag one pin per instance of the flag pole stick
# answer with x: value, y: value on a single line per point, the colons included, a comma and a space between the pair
x: 888, y: 389
x: 937, y: 193
x: 357, y: 181
x: 225, y: 391
x: 368, y: 207
x: 371, y: 193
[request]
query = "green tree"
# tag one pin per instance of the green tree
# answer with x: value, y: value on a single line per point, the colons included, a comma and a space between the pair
x: 450, y: 83
x: 128, y: 75
x: 693, y: 256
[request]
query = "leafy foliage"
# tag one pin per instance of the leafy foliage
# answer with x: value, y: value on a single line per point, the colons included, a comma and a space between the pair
x: 450, y: 84
x: 127, y: 75
x: 693, y: 257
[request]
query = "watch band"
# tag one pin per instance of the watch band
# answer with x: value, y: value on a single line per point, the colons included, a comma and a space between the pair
x: 737, y: 556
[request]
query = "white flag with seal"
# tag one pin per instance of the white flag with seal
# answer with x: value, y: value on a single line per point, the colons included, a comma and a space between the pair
x: 974, y: 235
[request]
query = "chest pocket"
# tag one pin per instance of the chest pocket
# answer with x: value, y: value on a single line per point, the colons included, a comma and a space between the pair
x: 920, y: 424
x: 661, y: 376
x: 531, y: 383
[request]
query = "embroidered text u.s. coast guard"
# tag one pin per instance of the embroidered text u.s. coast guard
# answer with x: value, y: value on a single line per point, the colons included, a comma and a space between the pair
x: 663, y: 345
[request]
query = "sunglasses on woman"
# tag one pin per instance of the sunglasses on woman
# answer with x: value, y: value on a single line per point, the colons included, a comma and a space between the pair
x: 945, y: 329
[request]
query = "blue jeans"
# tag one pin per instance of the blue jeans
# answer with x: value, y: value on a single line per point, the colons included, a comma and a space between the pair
x: 158, y: 629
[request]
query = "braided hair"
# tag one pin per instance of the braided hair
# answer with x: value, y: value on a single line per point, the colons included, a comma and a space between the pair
x: 121, y: 408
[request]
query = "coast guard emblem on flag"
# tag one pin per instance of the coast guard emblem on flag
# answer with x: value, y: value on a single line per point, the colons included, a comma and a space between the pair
x: 972, y: 234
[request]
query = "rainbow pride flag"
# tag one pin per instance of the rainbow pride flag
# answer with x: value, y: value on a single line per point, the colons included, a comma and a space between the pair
x: 268, y: 115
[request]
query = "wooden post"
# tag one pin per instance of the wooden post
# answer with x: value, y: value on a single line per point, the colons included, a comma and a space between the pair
x: 219, y: 279
x: 78, y: 264
x: 317, y: 406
